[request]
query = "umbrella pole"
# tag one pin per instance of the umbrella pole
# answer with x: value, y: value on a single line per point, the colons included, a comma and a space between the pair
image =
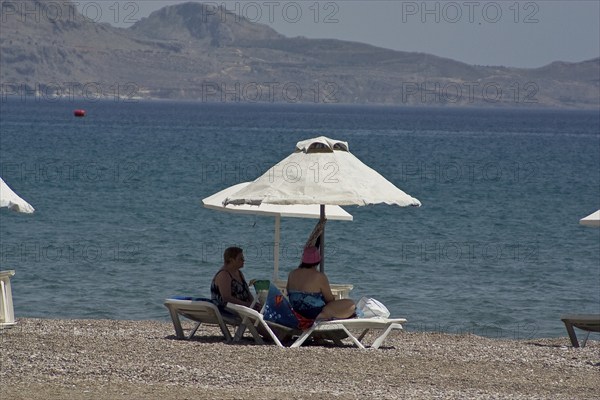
x: 323, y: 239
x: 276, y: 248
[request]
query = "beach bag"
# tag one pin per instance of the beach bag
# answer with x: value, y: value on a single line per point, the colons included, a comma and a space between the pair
x: 368, y: 307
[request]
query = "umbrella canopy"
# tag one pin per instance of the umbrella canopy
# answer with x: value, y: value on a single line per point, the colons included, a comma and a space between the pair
x: 321, y: 171
x: 591, y: 220
x: 215, y: 202
x: 12, y: 201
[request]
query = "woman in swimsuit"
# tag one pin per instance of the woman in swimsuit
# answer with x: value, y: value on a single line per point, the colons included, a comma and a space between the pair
x: 229, y: 284
x: 309, y: 291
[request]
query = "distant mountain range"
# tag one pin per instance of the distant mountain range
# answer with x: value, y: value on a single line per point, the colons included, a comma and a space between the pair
x: 185, y: 52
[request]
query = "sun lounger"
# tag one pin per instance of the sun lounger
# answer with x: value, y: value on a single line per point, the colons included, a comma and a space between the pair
x: 364, y: 324
x: 201, y: 311
x: 586, y: 322
x: 334, y: 330
x: 7, y: 315
x: 281, y: 323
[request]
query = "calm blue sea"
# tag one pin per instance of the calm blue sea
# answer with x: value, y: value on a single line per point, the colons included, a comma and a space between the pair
x: 495, y: 250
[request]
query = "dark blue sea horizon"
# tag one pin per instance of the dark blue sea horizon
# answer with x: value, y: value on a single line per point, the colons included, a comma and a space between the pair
x: 496, y: 249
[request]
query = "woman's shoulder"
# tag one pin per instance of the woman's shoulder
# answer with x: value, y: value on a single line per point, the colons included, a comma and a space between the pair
x: 303, y: 272
x: 222, y: 274
x: 322, y: 276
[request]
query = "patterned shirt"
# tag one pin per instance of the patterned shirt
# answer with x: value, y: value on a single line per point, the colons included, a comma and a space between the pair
x: 239, y: 290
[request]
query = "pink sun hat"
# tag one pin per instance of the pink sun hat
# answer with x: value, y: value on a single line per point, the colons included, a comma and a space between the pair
x: 311, y: 255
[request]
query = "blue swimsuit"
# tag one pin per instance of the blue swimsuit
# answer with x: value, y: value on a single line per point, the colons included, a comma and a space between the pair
x: 307, y: 304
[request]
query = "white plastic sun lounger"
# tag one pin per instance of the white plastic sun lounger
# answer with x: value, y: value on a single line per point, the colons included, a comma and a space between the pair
x: 334, y: 330
x: 200, y: 311
x: 7, y: 315
x: 364, y: 324
x: 586, y: 322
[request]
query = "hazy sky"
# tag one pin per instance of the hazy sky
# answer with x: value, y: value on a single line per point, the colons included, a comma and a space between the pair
x: 511, y: 33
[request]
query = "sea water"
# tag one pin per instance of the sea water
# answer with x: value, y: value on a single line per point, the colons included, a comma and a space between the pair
x: 496, y: 248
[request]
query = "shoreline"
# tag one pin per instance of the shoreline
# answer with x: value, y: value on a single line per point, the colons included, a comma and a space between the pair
x: 110, y: 359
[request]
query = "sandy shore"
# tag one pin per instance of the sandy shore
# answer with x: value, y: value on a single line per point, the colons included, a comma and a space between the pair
x: 105, y: 359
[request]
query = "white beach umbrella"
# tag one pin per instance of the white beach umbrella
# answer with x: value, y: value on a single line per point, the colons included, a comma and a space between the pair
x: 591, y: 220
x: 12, y: 201
x: 215, y: 202
x: 321, y: 171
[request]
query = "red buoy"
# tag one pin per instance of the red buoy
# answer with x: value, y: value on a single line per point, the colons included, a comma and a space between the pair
x: 79, y: 113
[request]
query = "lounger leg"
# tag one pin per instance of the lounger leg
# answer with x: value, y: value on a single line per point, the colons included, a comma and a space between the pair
x: 338, y: 341
x: 355, y: 340
x: 176, y: 323
x: 309, y: 332
x: 3, y: 303
x: 305, y: 335
x: 225, y: 331
x: 258, y: 337
x: 193, y: 331
x: 571, y: 333
x: 255, y: 334
x: 239, y: 332
x: 379, y: 341
x: 248, y: 324
x: 585, y: 340
x: 362, y: 335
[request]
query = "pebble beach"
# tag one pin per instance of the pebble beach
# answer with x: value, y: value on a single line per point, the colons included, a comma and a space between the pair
x: 113, y: 359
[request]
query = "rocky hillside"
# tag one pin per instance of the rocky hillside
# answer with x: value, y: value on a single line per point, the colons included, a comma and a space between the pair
x: 185, y: 52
